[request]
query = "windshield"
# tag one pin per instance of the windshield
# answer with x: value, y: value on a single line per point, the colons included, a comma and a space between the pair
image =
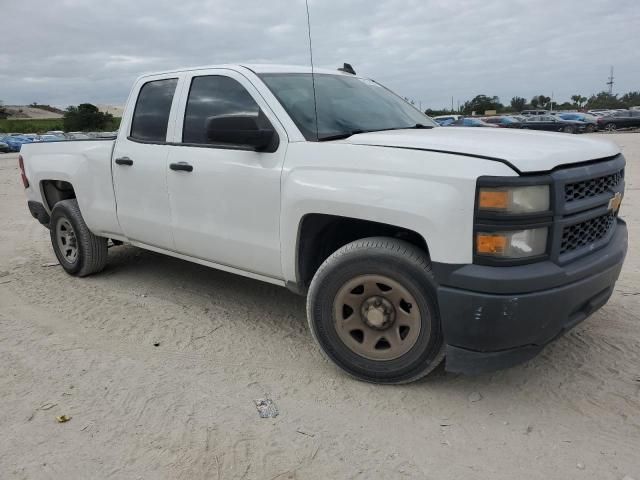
x: 345, y: 105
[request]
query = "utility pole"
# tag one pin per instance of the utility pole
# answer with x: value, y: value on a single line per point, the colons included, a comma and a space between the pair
x: 452, y: 103
x: 610, y: 82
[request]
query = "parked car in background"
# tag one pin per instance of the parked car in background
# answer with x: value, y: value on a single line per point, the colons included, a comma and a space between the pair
x: 106, y: 134
x: 444, y: 120
x: 15, y: 142
x: 471, y: 122
x: 50, y: 138
x: 590, y: 121
x: 77, y: 136
x: 600, y: 113
x: 504, y: 121
x: 553, y: 123
x: 527, y: 113
x: 4, y: 148
x: 620, y: 119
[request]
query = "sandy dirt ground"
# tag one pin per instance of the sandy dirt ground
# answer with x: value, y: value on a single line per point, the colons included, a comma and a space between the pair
x: 184, y: 409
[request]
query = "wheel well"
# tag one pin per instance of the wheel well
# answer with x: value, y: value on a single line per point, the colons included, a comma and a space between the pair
x: 54, y: 191
x: 320, y: 235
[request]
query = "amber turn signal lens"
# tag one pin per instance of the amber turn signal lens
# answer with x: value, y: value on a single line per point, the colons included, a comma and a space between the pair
x: 493, y: 199
x: 490, y: 244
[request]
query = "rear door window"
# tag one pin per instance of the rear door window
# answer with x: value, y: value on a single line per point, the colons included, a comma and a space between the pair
x: 151, y: 115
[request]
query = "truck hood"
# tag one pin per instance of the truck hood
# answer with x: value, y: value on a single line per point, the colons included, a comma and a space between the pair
x: 525, y: 151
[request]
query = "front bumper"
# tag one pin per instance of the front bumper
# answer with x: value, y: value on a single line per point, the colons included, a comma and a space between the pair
x: 496, y: 317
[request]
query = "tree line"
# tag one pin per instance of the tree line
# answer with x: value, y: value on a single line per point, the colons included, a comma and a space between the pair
x: 482, y: 103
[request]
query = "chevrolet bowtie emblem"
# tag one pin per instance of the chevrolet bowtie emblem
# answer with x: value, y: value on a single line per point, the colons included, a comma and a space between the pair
x: 614, y: 203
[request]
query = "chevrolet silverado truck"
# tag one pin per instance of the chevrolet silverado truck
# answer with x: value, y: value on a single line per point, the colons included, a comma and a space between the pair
x: 413, y: 243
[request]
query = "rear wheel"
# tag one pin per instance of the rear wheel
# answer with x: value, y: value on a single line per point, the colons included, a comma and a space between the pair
x: 610, y: 127
x: 372, y: 308
x: 568, y: 129
x: 590, y: 128
x: 79, y: 251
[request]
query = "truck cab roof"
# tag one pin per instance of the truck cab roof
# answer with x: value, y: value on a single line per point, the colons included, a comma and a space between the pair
x: 256, y: 68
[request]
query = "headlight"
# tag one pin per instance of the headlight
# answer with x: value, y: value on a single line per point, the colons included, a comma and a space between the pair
x: 528, y: 199
x: 512, y: 244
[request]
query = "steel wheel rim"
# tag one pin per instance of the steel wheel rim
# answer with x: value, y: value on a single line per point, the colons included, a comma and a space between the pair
x: 376, y: 317
x: 67, y: 241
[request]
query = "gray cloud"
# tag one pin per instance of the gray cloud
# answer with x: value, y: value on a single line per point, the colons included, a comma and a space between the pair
x: 430, y: 50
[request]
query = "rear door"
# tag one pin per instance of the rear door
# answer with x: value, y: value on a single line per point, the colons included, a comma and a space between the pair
x: 226, y: 209
x: 139, y: 162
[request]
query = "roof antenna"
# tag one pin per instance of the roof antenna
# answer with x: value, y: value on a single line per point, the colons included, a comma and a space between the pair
x: 313, y: 79
x: 347, y: 68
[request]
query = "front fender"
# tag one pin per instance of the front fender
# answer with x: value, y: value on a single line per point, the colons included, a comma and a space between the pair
x: 430, y: 193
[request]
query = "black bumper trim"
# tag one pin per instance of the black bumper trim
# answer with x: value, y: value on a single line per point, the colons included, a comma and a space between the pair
x: 488, y: 331
x: 38, y: 212
x: 469, y: 362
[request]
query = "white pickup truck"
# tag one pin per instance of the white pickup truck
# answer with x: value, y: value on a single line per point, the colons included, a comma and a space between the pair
x: 412, y: 242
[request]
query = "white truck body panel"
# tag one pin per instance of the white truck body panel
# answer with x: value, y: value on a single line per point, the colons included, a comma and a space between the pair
x: 243, y: 210
x: 84, y: 163
x: 142, y: 192
x: 426, y: 192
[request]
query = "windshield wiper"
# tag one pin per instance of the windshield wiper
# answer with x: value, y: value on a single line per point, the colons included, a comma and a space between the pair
x: 344, y: 135
x: 341, y: 135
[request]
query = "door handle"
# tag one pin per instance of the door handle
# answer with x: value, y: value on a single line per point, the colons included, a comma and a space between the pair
x: 181, y: 167
x: 124, y: 161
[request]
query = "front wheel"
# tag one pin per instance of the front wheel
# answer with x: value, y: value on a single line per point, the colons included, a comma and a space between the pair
x: 79, y: 251
x: 611, y: 127
x: 372, y: 308
x: 590, y: 128
x: 568, y: 129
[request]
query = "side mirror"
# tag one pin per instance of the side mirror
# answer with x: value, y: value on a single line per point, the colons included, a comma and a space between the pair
x: 239, y: 130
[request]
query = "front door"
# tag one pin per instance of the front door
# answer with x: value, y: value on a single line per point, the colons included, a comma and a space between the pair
x: 225, y: 199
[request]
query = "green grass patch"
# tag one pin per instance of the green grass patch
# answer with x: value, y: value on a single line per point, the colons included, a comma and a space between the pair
x: 41, y: 125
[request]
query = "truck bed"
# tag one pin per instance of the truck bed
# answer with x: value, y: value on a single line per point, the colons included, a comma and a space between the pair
x: 86, y: 165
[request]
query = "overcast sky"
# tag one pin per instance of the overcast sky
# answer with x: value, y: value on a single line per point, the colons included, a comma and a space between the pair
x: 73, y: 51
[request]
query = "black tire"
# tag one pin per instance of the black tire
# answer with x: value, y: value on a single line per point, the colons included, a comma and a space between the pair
x: 403, y: 263
x: 611, y: 127
x: 590, y: 128
x: 91, y: 250
x: 568, y: 129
